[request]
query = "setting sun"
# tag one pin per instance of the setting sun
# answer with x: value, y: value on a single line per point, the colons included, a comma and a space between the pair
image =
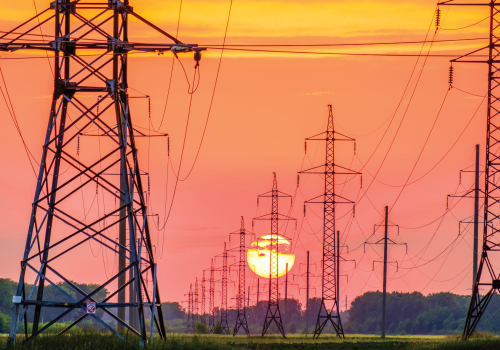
x: 258, y: 256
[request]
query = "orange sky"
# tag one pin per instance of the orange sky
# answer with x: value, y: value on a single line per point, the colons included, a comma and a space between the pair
x: 264, y: 107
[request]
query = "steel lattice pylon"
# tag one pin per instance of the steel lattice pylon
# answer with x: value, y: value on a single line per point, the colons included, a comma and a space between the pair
x: 273, y: 309
x: 57, y: 227
x: 241, y: 318
x: 329, y: 309
x: 196, y: 303
x: 223, y: 308
x: 190, y: 322
x: 211, y: 304
x: 203, y: 299
x: 491, y: 229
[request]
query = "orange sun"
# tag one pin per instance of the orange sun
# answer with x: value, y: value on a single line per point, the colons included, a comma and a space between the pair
x: 259, y: 256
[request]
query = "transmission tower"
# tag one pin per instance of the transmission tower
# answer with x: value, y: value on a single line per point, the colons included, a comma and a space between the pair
x: 195, y: 303
x: 224, y: 280
x: 273, y: 309
x: 211, y: 311
x: 202, y: 311
x: 241, y: 318
x: 329, y: 309
x: 490, y: 278
x: 100, y: 27
x: 190, y: 328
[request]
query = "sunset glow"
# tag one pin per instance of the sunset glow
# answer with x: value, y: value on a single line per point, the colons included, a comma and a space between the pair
x: 258, y: 256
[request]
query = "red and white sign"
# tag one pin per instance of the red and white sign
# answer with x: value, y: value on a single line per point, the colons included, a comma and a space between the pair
x: 91, y: 307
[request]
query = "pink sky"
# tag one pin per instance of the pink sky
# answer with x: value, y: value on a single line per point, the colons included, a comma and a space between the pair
x: 264, y: 107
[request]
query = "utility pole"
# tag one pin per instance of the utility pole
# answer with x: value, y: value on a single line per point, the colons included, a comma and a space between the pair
x: 286, y: 288
x: 241, y: 318
x: 79, y: 28
x: 491, y: 227
x: 385, y: 241
x: 384, y: 298
x: 258, y: 291
x: 476, y: 190
x: 307, y: 296
x: 329, y: 309
x: 273, y: 313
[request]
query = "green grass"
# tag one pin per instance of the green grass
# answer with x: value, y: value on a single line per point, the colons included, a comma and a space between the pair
x: 97, y: 341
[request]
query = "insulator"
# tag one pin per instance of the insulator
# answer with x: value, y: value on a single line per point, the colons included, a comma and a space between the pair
x: 168, y: 146
x: 149, y: 185
x: 353, y: 211
x: 438, y: 17
x: 450, y: 77
x: 253, y: 224
x: 298, y: 180
x: 447, y: 202
x: 97, y: 186
x: 149, y: 106
x: 305, y: 147
x: 361, y: 180
x: 291, y: 201
x: 295, y: 225
x: 78, y: 146
x: 460, y: 178
x: 257, y: 201
x: 197, y: 57
x: 304, y: 210
x: 354, y: 148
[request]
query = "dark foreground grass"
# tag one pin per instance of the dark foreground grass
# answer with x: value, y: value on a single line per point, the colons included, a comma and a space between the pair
x: 98, y: 341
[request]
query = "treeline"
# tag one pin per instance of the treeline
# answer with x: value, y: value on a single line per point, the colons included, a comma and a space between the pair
x: 414, y: 313
x: 407, y: 313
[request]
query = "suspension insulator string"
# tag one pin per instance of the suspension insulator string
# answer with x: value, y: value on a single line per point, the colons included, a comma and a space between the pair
x: 438, y: 18
x: 450, y: 77
x: 78, y: 146
x: 149, y: 106
x: 168, y: 146
x: 305, y: 147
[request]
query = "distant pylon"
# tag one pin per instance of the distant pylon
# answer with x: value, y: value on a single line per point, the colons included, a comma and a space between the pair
x: 223, y: 309
x: 241, y: 318
x: 202, y: 311
x: 211, y: 311
x: 195, y: 304
x: 329, y: 309
x: 190, y: 328
x: 273, y: 308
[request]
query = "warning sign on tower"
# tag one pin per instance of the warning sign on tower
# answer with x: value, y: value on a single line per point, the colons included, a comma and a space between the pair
x: 91, y: 307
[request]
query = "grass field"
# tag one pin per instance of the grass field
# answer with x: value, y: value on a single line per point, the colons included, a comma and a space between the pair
x: 96, y: 341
